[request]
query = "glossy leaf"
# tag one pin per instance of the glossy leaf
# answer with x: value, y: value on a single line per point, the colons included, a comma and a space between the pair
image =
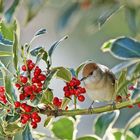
x: 79, y: 68
x: 12, y: 118
x: 49, y: 77
x: 47, y: 121
x: 40, y: 32
x: 64, y: 74
x: 4, y: 53
x: 123, y: 65
x: 53, y: 47
x: 27, y: 133
x: 10, y: 12
x: 136, y: 130
x: 35, y: 51
x: 7, y: 31
x: 47, y: 97
x: 105, y: 122
x: 94, y: 137
x: 15, y: 52
x: 125, y: 48
x: 63, y: 128
x: 65, y: 102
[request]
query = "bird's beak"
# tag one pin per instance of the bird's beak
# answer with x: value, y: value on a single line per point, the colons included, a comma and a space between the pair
x: 82, y: 79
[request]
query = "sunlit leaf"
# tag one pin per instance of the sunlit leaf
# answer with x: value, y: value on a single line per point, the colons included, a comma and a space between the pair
x: 105, y: 122
x: 4, y: 53
x: 48, y: 120
x: 79, y: 68
x: 47, y: 97
x: 64, y: 74
x: 9, y: 13
x: 63, y: 128
x: 27, y: 133
x: 65, y: 102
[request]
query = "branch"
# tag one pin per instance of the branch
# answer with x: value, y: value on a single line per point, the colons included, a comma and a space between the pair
x: 96, y: 110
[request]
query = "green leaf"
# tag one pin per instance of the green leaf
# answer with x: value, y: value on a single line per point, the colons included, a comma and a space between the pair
x: 63, y: 128
x: 125, y: 48
x: 10, y: 12
x: 27, y: 133
x: 12, y: 118
x: 53, y: 47
x: 123, y: 65
x: 47, y: 97
x: 65, y: 102
x: 121, y: 86
x: 1, y: 129
x: 1, y: 6
x: 49, y: 77
x: 63, y: 73
x: 136, y: 130
x: 48, y: 120
x: 35, y: 51
x: 12, y: 128
x: 38, y: 135
x: 105, y: 122
x: 15, y: 52
x: 40, y: 32
x: 94, y: 137
x: 4, y: 53
x: 7, y: 30
x: 79, y: 68
x: 107, y: 45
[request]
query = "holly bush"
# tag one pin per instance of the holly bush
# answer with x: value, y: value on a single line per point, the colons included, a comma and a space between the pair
x: 26, y: 96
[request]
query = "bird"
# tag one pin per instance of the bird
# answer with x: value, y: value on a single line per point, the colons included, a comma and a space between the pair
x: 99, y: 82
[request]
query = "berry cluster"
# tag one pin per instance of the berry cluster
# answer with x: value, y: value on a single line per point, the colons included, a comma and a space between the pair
x: 31, y: 85
x: 2, y: 95
x: 27, y: 114
x: 74, y: 88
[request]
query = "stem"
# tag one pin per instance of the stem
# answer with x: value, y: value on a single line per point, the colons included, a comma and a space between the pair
x: 97, y: 110
x: 75, y: 102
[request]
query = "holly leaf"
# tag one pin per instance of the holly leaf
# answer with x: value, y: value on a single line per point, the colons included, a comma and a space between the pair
x: 80, y: 67
x: 12, y: 118
x: 92, y: 137
x: 65, y: 102
x: 40, y: 32
x: 63, y: 128
x: 47, y: 97
x: 105, y: 122
x: 4, y: 53
x: 10, y: 12
x: 63, y: 73
x: 27, y: 133
x: 48, y: 120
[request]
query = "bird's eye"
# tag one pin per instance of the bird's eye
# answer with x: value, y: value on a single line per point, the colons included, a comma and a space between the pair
x: 91, y: 73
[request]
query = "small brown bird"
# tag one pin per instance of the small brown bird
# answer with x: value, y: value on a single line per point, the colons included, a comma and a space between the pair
x: 99, y: 82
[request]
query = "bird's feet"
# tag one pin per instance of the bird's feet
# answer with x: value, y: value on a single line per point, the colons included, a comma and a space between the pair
x: 91, y: 107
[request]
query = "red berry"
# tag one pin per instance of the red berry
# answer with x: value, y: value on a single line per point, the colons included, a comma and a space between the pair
x: 66, y: 88
x: 23, y: 68
x: 25, y: 116
x: 39, y: 84
x: 42, y: 77
x: 131, y: 88
x: 34, y: 87
x: 82, y: 90
x: 31, y: 66
x: 130, y: 106
x: 55, y: 101
x: 23, y: 121
x: 23, y: 79
x: 138, y: 105
x: 17, y: 86
x: 118, y: 98
x: 37, y: 119
x: 28, y: 108
x: 35, y: 80
x: 22, y: 96
x: 67, y: 94
x: 17, y: 104
x: 81, y: 98
x: 72, y: 83
x: 2, y: 89
x: 77, y: 82
x: 34, y: 115
x: 23, y: 105
x: 29, y: 61
x: 32, y: 97
x: 37, y: 71
x: 34, y: 125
